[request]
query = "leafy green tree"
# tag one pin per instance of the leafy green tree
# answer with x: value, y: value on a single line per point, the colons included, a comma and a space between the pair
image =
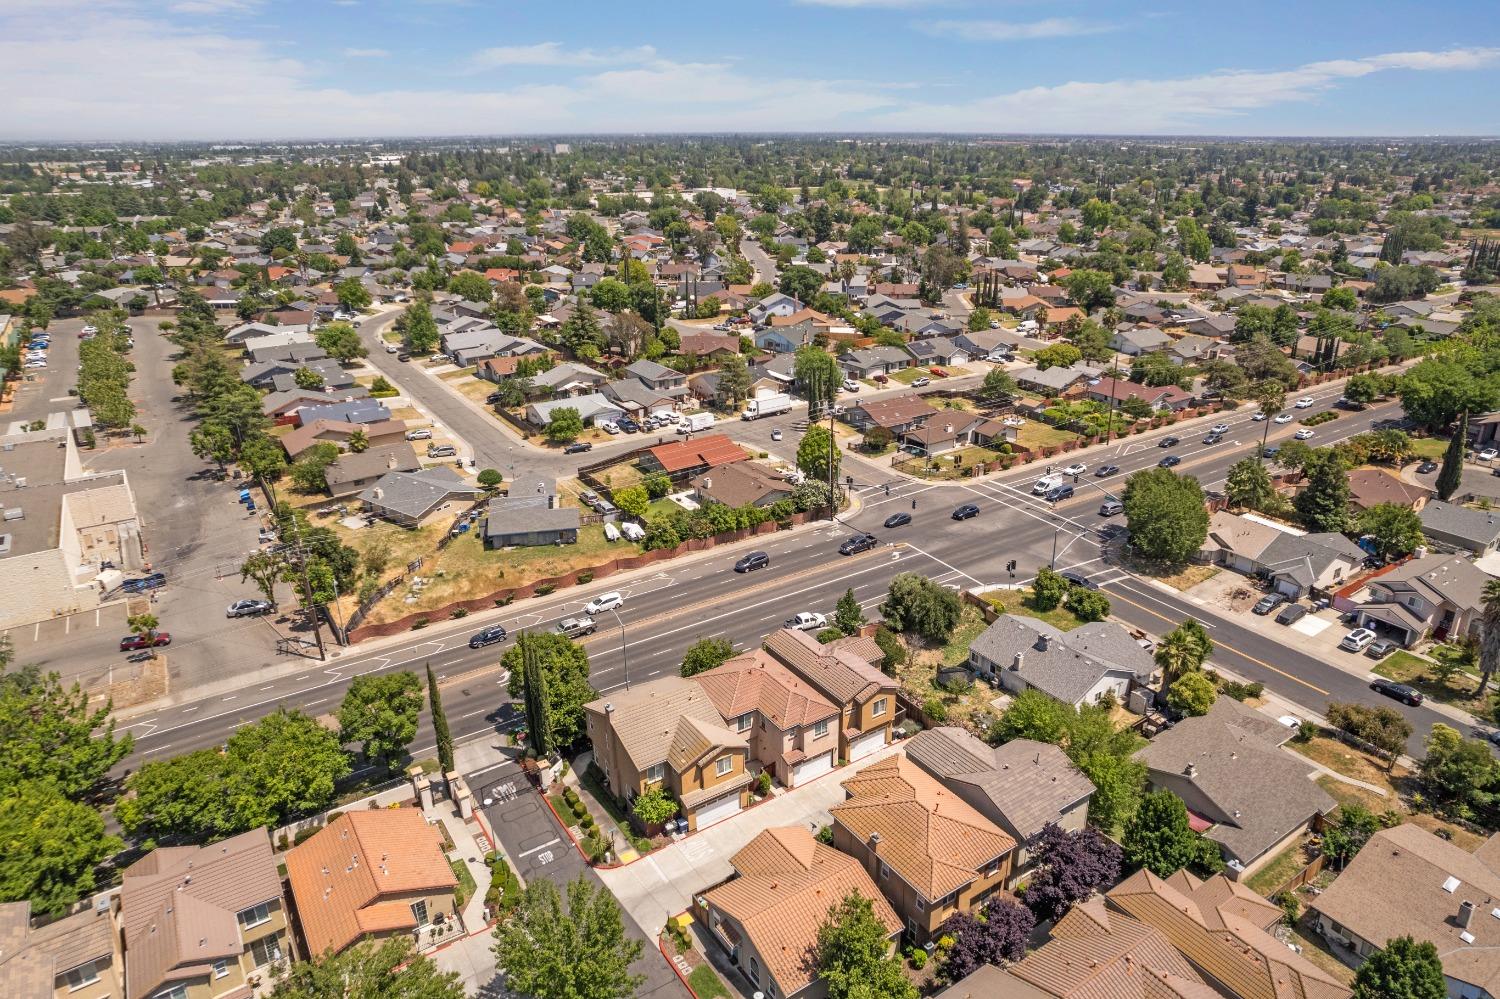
x: 1048, y: 590
x: 1347, y: 834
x: 612, y: 295
x: 1395, y: 529
x: 144, y: 626
x: 1192, y: 694
x: 548, y: 951
x: 1090, y: 289
x: 1159, y: 838
x: 1165, y: 514
x: 308, y: 471
x: 1340, y: 298
x: 734, y: 381
x: 1450, y: 476
x: 1403, y: 969
x: 1364, y: 388
x: 566, y: 667
x: 340, y: 341
x: 1057, y: 355
x: 633, y: 500
x: 1183, y: 650
x: 916, y: 604
x: 706, y: 654
x: 1089, y: 605
x: 489, y: 478
x: 52, y: 846
x: 816, y: 451
x: 472, y: 286
x: 979, y: 319
x: 48, y: 733
x: 564, y: 425
x: 1249, y: 485
x: 817, y: 375
x: 1033, y: 715
x: 853, y: 954
x: 388, y: 969
x: 848, y: 616
x: 802, y: 283
x: 278, y: 238
x: 1459, y: 773
x: 1323, y: 504
x: 380, y: 711
x: 419, y: 328
x: 440, y: 728
x: 997, y: 386
x: 1435, y: 391
x: 1118, y: 781
x: 352, y: 294
x: 654, y: 806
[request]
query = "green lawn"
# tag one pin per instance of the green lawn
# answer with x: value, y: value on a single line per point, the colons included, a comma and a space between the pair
x: 908, y: 375
x: 706, y: 984
x: 1019, y: 602
x: 1428, y: 447
x: 970, y: 627
x: 1458, y: 690
x: 466, y: 886
x: 1281, y: 867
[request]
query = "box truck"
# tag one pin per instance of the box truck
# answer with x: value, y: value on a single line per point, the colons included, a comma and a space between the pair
x: 694, y: 422
x: 769, y: 406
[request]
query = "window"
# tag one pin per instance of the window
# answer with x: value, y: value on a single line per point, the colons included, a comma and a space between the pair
x: 419, y: 912
x: 723, y: 765
x: 656, y: 773
x: 221, y: 968
x: 921, y: 904
x: 173, y: 992
x: 266, y: 950
x: 84, y: 974
x: 742, y: 723
x: 820, y: 729
x: 878, y: 709
x: 885, y: 870
x: 255, y: 915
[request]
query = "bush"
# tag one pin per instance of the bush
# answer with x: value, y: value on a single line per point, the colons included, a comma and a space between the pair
x: 571, y: 797
x: 829, y: 635
x: 543, y: 590
x: 918, y: 958
x: 890, y: 645
x: 585, y: 577
x: 1291, y: 908
x: 303, y: 835
x: 1242, y: 691
x: 763, y: 784
x: 459, y: 612
x: 596, y: 848
x: 642, y: 845
x: 580, y: 811
x: 1305, y: 731
x: 935, y: 710
x: 419, y: 624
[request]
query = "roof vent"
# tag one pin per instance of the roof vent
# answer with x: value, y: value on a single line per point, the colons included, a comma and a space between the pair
x: 1191, y: 770
x: 1451, y: 885
x: 1042, y: 641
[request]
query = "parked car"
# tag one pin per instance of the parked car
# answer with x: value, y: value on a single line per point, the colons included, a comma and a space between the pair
x: 1169, y: 461
x: 854, y: 546
x: 489, y: 636
x: 807, y: 621
x: 1357, y: 640
x: 1291, y: 613
x: 966, y: 511
x: 1304, y: 402
x: 1169, y: 442
x: 920, y: 382
x: 753, y: 561
x: 89, y: 330
x: 1400, y: 691
x: 850, y: 385
x: 1380, y: 649
x: 392, y: 348
x: 776, y: 434
x: 1077, y: 578
x: 938, y: 372
x: 144, y: 583
x: 604, y: 602
x: 419, y: 435
x: 1489, y: 454
x: 898, y: 520
x: 131, y: 643
x: 576, y: 627
x: 403, y: 357
x: 1268, y: 603
x: 441, y: 451
x: 611, y: 427
x: 630, y: 426
x: 249, y: 608
x: 1427, y: 467
x: 1077, y: 468
x: 1105, y: 471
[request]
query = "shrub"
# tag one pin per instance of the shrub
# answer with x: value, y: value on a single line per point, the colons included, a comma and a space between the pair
x: 419, y: 624
x: 642, y: 845
x: 303, y: 835
x: 825, y: 835
x: 585, y: 577
x: 571, y: 797
x: 935, y: 710
x: 596, y: 848
x: 543, y: 590
x: 580, y: 810
x: 460, y: 612
x: 829, y: 635
x: 890, y: 645
x: 1291, y: 908
x: 763, y: 783
x: 1242, y: 691
x: 918, y: 958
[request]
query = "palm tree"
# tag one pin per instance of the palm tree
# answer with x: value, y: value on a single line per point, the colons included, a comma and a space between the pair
x: 1182, y: 650
x: 1271, y: 395
x: 359, y: 442
x: 1489, y: 636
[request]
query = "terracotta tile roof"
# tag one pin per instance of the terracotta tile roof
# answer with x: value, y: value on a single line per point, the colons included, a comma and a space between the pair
x: 353, y: 862
x: 787, y: 883
x: 755, y: 681
x: 838, y: 671
x: 711, y: 451
x: 937, y: 842
x: 668, y: 718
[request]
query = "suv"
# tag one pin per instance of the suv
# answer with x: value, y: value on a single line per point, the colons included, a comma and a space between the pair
x: 574, y: 627
x: 1058, y: 493
x: 421, y: 434
x: 1291, y: 613
x: 604, y: 602
x: 1357, y: 640
x: 488, y: 636
x: 1268, y: 603
x: 753, y: 561
x: 441, y: 451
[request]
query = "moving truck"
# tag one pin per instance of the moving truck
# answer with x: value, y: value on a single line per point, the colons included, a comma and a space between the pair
x: 769, y: 406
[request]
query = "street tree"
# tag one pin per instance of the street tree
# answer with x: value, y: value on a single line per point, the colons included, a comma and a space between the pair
x: 419, y: 328
x: 48, y: 733
x: 848, y: 616
x: 352, y: 294
x: 565, y: 665
x: 1323, y: 504
x: 997, y: 386
x: 1403, y: 969
x: 734, y: 381
x: 852, y: 954
x: 706, y: 654
x: 1165, y: 514
x: 917, y: 605
x: 564, y: 425
x: 1363, y: 388
x: 1249, y: 485
x: 1087, y: 604
x: 388, y: 969
x: 341, y: 342
x: 380, y: 712
x: 580, y: 950
x: 1183, y: 650
x: 440, y: 730
x: 52, y: 846
x: 1048, y: 590
x: 265, y: 569
x: 818, y: 454
x: 1159, y: 838
x: 144, y: 626
x: 1451, y: 474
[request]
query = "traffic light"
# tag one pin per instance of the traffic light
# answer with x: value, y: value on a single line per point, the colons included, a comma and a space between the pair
x: 1010, y: 567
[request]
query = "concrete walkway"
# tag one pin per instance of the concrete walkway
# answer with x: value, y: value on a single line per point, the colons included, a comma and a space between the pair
x: 662, y: 883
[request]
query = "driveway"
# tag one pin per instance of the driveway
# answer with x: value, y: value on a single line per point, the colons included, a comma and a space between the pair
x: 663, y: 883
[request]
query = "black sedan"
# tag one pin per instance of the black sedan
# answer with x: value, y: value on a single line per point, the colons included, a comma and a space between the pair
x: 854, y: 546
x: 898, y: 520
x: 1400, y: 691
x: 1427, y: 467
x: 1169, y: 442
x: 578, y: 448
x: 489, y: 636
x: 1105, y: 471
x: 966, y: 511
x: 1169, y: 461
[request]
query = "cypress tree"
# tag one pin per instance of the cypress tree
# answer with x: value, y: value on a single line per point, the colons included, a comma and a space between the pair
x: 538, y: 700
x: 1453, y: 460
x: 439, y: 723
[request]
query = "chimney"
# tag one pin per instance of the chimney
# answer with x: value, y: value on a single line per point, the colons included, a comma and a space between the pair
x: 1042, y: 641
x: 1465, y: 914
x: 1016, y: 665
x: 1190, y: 771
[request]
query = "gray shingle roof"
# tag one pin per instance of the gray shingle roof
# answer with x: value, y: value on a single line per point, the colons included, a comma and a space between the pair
x: 1064, y: 665
x: 414, y: 494
x: 1478, y: 527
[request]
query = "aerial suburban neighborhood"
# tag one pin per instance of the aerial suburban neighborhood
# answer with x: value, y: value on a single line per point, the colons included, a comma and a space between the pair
x: 589, y: 521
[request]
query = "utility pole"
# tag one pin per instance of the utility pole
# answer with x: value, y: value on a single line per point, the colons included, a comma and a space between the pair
x: 312, y: 606
x: 833, y: 453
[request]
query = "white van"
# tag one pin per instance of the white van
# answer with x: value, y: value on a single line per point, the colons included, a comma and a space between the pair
x: 1046, y: 484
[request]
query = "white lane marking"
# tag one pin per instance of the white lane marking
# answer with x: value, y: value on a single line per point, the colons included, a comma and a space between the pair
x: 551, y: 842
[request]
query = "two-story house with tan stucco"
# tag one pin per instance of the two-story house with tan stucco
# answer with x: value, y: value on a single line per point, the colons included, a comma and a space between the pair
x: 847, y: 673
x: 75, y: 957
x: 792, y: 730
x: 203, y: 922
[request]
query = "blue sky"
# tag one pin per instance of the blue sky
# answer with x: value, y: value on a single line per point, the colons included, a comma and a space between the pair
x: 221, y: 69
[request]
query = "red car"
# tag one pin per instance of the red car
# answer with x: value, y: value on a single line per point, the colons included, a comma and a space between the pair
x: 938, y: 372
x: 131, y: 643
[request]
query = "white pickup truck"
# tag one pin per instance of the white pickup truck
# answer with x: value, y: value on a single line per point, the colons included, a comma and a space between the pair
x: 807, y: 621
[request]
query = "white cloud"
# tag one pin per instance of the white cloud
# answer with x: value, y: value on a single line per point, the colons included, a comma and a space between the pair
x: 365, y: 53
x: 1015, y: 31
x: 215, y: 6
x: 553, y: 54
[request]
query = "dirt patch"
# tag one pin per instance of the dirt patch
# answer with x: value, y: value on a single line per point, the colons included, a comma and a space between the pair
x: 1182, y: 578
x: 968, y: 707
x: 133, y: 683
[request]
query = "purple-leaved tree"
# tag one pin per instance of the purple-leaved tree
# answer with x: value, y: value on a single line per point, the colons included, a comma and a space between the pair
x: 999, y: 936
x: 1071, y: 866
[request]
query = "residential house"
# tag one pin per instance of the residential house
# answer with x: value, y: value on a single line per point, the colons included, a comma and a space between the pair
x: 937, y: 350
x: 898, y: 414
x: 203, y: 922
x: 386, y: 433
x: 1294, y: 562
x: 955, y: 429
x: 1055, y: 380
x: 594, y: 409
x: 416, y: 498
x: 929, y: 852
x: 694, y: 456
x: 350, y: 473
x: 640, y: 400
x: 873, y: 361
x: 775, y: 304
x: 1450, y: 527
x: 1241, y: 789
x: 1442, y: 597
x: 1192, y: 349
x: 1408, y: 882
x: 768, y: 915
x: 846, y: 672
x: 370, y: 874
x: 668, y: 734
x: 785, y: 339
x: 75, y: 957
x: 716, y: 346
x: 1139, y: 340
x: 1163, y: 398
x: 1212, y: 327
x: 659, y: 378
x: 360, y: 411
x: 983, y: 343
x: 1076, y: 667
x: 792, y: 730
x: 283, y: 338
x: 568, y: 379
x: 289, y: 352
x: 1022, y: 786
x: 743, y: 483
x: 1372, y: 486
x: 530, y: 516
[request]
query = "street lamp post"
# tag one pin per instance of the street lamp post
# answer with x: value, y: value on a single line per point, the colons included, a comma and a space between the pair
x: 624, y: 655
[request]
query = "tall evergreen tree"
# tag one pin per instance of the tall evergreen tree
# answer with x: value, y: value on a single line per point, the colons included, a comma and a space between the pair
x: 1452, y: 472
x: 439, y: 723
x: 537, y: 697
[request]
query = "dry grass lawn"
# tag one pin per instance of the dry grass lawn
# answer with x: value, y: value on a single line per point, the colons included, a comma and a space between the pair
x: 1187, y: 577
x: 1035, y: 434
x: 1019, y: 602
x: 970, y: 708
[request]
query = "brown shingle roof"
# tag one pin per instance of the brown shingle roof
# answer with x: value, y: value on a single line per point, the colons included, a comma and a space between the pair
x: 838, y: 671
x: 754, y: 681
x: 668, y: 718
x: 340, y: 875
x: 932, y: 838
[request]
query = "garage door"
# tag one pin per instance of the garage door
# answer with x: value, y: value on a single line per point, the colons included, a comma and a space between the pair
x: 718, y: 811
x: 815, y: 767
x: 865, y: 745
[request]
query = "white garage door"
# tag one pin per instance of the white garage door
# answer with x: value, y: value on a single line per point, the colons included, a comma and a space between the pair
x: 866, y: 744
x: 815, y: 767
x: 718, y: 811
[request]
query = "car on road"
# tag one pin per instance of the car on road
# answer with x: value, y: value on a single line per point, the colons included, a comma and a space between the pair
x: 403, y: 357
x: 1357, y: 640
x: 1169, y: 442
x: 131, y: 643
x: 1400, y: 691
x: 1268, y: 603
x: 1105, y: 471
x: 144, y: 583
x: 578, y: 447
x: 850, y: 385
x: 1291, y: 613
x: 1213, y: 438
x: 1111, y: 508
x: 1169, y: 461
x: 88, y: 330
x: 1303, y: 435
x: 1283, y: 418
x: 776, y: 434
x: 423, y: 434
x: 855, y: 545
x: 441, y: 451
x: 965, y: 512
x: 807, y: 621
x: 1045, y: 484
x: 898, y: 520
x: 1381, y: 649
x: 249, y: 608
x: 921, y: 382
x: 1304, y: 402
x: 1489, y: 454
x: 1427, y: 467
x: 753, y: 561
x: 1058, y: 493
x: 1076, y: 578
x: 1077, y: 468
x: 489, y: 636
x: 604, y: 602
x: 1260, y: 417
x: 1219, y: 428
x: 576, y: 627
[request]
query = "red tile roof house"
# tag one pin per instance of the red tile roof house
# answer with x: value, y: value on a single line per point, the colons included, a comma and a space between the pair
x: 685, y: 459
x: 1162, y: 397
